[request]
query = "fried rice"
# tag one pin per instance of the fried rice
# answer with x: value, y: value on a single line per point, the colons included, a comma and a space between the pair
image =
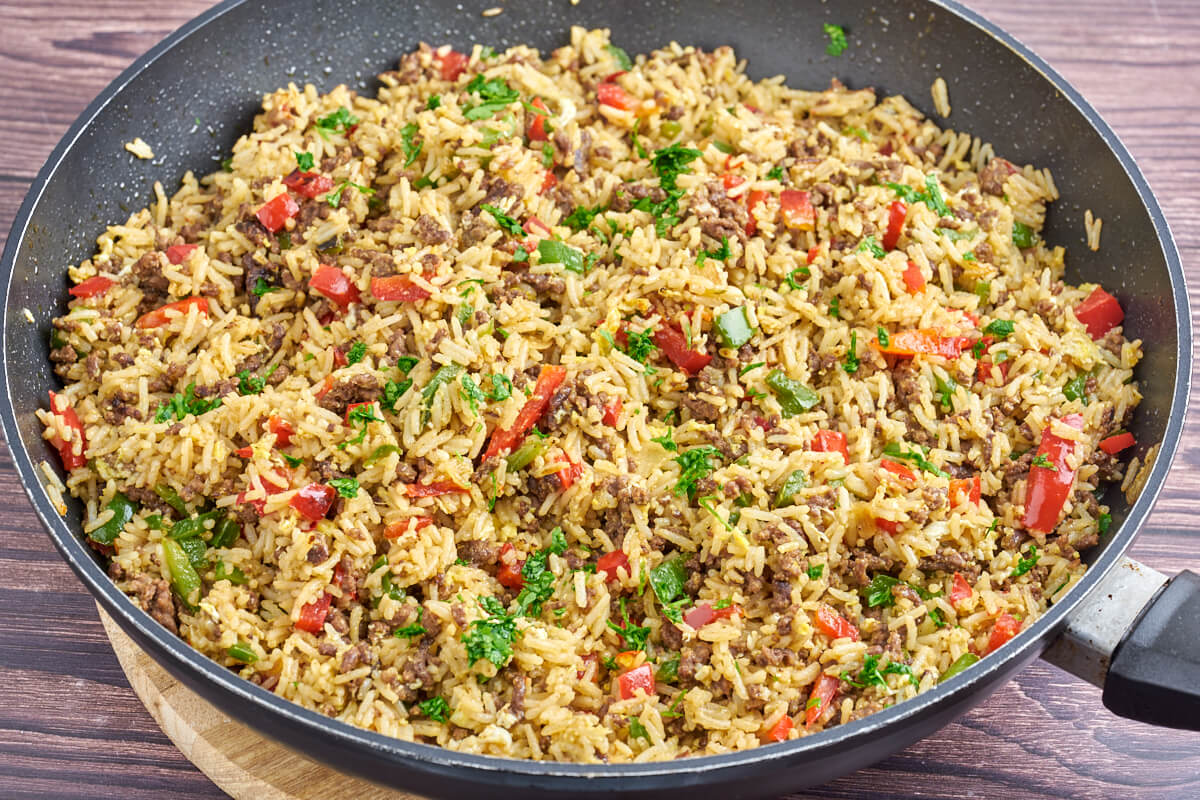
x: 592, y: 409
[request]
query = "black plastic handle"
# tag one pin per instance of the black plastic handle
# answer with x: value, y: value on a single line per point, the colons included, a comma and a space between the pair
x: 1155, y: 671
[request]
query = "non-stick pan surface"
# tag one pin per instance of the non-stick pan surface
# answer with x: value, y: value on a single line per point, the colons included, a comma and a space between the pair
x: 216, y: 68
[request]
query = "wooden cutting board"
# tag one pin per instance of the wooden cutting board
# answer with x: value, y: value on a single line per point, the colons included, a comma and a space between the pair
x: 246, y: 765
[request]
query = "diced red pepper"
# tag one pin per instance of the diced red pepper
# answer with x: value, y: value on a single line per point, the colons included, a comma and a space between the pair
x: 275, y: 213
x: 797, y: 210
x: 897, y: 214
x: 548, y: 381
x: 313, y: 501
x: 537, y: 126
x: 970, y: 317
x: 626, y: 659
x: 548, y: 182
x: 1006, y: 627
x: 270, y: 488
x: 569, y: 473
x: 610, y: 94
x: 66, y: 450
x: 731, y: 181
x: 510, y: 568
x: 983, y: 371
x: 435, y: 489
x: 753, y: 198
x: 813, y: 253
x: 888, y: 526
x: 704, y: 613
x: 159, y: 317
x: 339, y: 358
x: 612, y: 411
x: 831, y: 442
x: 898, y: 469
x: 95, y: 285
x: 453, y: 64
x: 326, y: 385
x: 964, y: 490
x: 671, y: 341
x: 1048, y: 487
x: 333, y: 283
x: 834, y: 625
x: 959, y: 589
x: 609, y: 563
x: 1115, y: 444
x: 308, y: 184
x: 178, y: 253
x: 312, y: 615
x: 1100, y: 313
x: 914, y: 281
x: 926, y: 341
x: 637, y: 678
x: 779, y: 731
x: 244, y: 452
x: 396, y: 529
x: 398, y: 289
x: 824, y: 690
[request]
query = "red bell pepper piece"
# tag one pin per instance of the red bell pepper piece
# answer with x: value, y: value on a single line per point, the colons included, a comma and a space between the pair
x: 926, y: 341
x: 1100, y: 312
x: 350, y: 407
x: 831, y: 442
x: 537, y: 126
x: 897, y: 214
x: 270, y: 488
x: 274, y: 213
x: 964, y: 490
x: 959, y: 589
x: 159, y: 317
x: 312, y: 615
x: 824, y: 690
x: 1115, y: 444
x: 339, y: 359
x: 797, y: 210
x: 1005, y: 628
x: 308, y: 184
x: 704, y: 613
x: 95, y: 285
x: 510, y: 568
x: 637, y: 678
x: 326, y: 385
x: 612, y: 412
x: 983, y: 371
x: 313, y: 501
x: 610, y: 94
x: 753, y: 198
x: 914, y: 281
x: 548, y: 182
x: 435, y: 489
x: 453, y: 64
x: 1048, y: 487
x: 779, y: 731
x: 731, y: 181
x: 609, y: 563
x: 888, y: 526
x: 398, y: 289
x: 813, y: 253
x: 394, y: 530
x: 548, y: 381
x: 897, y: 469
x: 71, y: 458
x: 178, y: 253
x: 569, y: 473
x: 244, y: 452
x: 333, y: 283
x: 834, y: 625
x: 671, y: 341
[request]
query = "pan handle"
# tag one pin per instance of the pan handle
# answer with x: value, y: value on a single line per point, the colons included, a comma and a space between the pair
x: 1137, y: 635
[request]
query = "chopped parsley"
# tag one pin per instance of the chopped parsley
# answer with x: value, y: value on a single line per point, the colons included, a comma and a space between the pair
x: 471, y: 392
x: 720, y: 254
x: 356, y: 353
x: 292, y: 460
x: 637, y: 730
x: 815, y: 571
x: 411, y: 150
x: 835, y: 309
x: 945, y: 389
x: 261, y: 287
x: 837, y: 39
x: 1076, y: 388
x: 931, y: 197
x: 346, y: 487
x: 494, y: 95
x: 790, y: 278
x: 501, y: 387
x: 434, y: 102
x: 667, y: 442
x: 851, y: 365
x: 1043, y: 461
x: 695, y: 464
x: 619, y: 56
x: 872, y: 675
x: 775, y: 173
x: 552, y: 252
x: 435, y: 708
x: 504, y: 221
x: 1000, y: 328
x: 672, y: 710
x: 668, y: 580
x: 917, y: 455
x: 334, y: 198
x: 751, y: 367
x: 1026, y: 563
x: 340, y: 121
x: 634, y: 636
x: 445, y: 375
x: 668, y: 163
x: 184, y: 403
x: 882, y: 336
x: 362, y: 415
x: 582, y: 217
x: 786, y: 495
x: 1104, y: 522
x: 639, y: 346
x: 304, y: 161
x: 412, y: 629
x: 492, y: 637
x: 870, y: 245
x: 1023, y: 235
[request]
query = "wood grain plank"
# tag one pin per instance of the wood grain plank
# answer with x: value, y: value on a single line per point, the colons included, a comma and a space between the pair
x: 70, y: 727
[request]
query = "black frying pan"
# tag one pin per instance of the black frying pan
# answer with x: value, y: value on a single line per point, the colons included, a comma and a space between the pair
x: 217, y: 67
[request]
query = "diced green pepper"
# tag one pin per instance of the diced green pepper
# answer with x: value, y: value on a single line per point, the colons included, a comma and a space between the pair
x: 193, y: 526
x: 671, y: 129
x: 526, y: 453
x: 1023, y: 235
x: 182, y: 576
x: 668, y: 579
x: 196, y: 550
x: 171, y: 498
x: 733, y: 327
x: 794, y: 483
x: 794, y: 397
x: 242, y: 652
x: 122, y: 508
x: 225, y: 533
x: 960, y: 663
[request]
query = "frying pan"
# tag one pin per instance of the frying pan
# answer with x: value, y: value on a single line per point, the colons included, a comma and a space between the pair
x: 1119, y: 627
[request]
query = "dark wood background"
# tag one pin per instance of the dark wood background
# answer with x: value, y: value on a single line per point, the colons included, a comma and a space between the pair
x: 71, y: 727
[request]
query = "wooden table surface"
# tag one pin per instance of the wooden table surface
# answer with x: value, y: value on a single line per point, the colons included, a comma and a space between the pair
x: 71, y: 727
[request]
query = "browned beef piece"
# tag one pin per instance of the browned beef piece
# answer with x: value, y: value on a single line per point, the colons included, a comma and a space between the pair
x: 774, y: 657
x: 150, y: 279
x: 854, y: 569
x: 496, y: 189
x: 907, y: 379
x: 361, y: 388
x: 318, y: 552
x: 583, y: 156
x: 949, y: 562
x: 1017, y: 470
x: 691, y: 657
x: 478, y: 552
x: 64, y: 355
x: 517, y: 704
x: 119, y: 406
x: 629, y: 193
x: 355, y: 657
x: 719, y: 215
x: 701, y: 408
x: 351, y: 581
x: 540, y: 488
x: 381, y: 263
x: 781, y: 596
x: 253, y: 230
x: 672, y: 637
x: 327, y: 470
x: 429, y: 232
x: 992, y: 177
x: 154, y: 595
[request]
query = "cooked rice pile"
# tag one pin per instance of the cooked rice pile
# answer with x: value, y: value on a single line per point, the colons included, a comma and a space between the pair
x: 683, y: 474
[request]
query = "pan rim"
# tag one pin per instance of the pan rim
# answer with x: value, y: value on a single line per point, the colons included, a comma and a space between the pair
x: 194, y: 667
